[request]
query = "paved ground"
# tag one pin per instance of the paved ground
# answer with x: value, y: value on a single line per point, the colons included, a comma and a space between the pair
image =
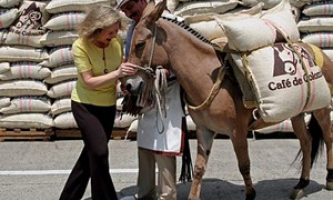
x: 38, y: 170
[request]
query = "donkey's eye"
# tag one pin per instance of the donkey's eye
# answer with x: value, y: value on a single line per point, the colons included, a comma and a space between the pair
x: 140, y: 45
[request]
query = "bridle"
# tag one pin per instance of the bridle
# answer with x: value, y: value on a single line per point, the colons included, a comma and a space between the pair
x: 147, y: 69
x: 160, y: 83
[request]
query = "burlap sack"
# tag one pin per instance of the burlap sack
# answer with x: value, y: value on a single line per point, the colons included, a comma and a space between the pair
x: 72, y: 5
x: 197, y: 7
x: 16, y: 88
x: 61, y: 105
x: 61, y: 90
x: 65, y: 121
x: 26, y: 121
x: 9, y: 3
x: 271, y: 3
x: 8, y: 16
x: 25, y: 70
x: 284, y: 126
x: 281, y: 86
x: 58, y: 57
x: 267, y: 4
x: 58, y: 38
x: 27, y: 30
x: 273, y: 26
x: 65, y: 21
x: 119, y: 103
x: 329, y: 53
x: 320, y: 39
x: 3, y: 35
x: 123, y: 120
x: 27, y: 105
x: 133, y: 127
x: 318, y: 9
x: 4, y: 67
x: 62, y: 73
x: 119, y: 92
x: 4, y: 102
x: 209, y: 24
x: 315, y: 24
x: 171, y: 4
x: 297, y: 13
x: 21, y: 53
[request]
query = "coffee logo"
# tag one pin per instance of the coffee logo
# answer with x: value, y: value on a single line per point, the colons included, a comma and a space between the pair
x: 286, y: 65
x: 29, y: 21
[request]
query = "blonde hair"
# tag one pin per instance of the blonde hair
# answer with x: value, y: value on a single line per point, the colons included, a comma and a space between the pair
x: 99, y: 17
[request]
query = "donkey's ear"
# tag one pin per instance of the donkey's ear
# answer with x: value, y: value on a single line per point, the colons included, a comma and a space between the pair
x: 157, y: 12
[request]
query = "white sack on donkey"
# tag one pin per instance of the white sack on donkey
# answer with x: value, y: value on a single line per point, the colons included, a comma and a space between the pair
x: 286, y: 81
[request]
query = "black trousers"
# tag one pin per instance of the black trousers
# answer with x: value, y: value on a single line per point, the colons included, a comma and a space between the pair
x: 95, y: 124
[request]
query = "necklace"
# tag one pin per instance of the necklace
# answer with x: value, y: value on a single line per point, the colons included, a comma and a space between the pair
x: 105, y: 70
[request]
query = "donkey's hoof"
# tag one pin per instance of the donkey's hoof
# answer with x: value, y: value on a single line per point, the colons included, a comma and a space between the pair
x: 329, y: 185
x: 193, y: 198
x: 297, y: 194
x: 251, y: 195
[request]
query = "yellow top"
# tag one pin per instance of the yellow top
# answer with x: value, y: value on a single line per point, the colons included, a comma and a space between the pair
x: 88, y: 56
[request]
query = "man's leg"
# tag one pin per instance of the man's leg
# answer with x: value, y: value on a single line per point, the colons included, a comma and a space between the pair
x: 146, y: 177
x: 166, y: 177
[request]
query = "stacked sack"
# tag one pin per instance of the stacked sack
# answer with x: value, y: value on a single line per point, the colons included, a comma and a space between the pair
x: 24, y: 103
x: 316, y: 25
x: 59, y: 36
x: 37, y: 73
x: 36, y: 65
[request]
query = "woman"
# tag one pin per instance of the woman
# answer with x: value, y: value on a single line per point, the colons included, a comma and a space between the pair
x: 98, y: 56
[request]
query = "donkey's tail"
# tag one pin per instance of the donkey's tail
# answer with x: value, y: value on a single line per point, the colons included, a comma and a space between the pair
x: 317, y: 139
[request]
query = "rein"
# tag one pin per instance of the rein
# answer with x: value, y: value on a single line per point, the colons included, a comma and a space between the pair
x: 215, y: 89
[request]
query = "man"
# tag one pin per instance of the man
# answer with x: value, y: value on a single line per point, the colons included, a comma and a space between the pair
x: 149, y: 136
x: 133, y: 9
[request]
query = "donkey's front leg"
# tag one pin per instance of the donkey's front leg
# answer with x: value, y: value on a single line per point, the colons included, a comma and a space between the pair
x: 205, y: 141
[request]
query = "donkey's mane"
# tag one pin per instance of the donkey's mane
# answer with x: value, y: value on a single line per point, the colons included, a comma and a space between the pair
x: 189, y: 29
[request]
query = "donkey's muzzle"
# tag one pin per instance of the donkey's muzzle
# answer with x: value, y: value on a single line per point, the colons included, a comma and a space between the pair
x: 134, y: 86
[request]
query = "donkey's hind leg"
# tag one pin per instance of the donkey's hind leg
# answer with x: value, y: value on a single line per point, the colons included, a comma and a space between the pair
x: 324, y: 121
x: 304, y: 137
x: 205, y: 140
x: 241, y: 149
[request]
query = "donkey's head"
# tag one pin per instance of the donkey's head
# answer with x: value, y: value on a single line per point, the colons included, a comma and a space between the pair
x: 147, y: 53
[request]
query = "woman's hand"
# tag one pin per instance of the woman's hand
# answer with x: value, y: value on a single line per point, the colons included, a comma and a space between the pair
x: 126, y: 69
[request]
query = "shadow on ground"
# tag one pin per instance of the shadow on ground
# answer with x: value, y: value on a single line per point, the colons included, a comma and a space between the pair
x: 216, y: 189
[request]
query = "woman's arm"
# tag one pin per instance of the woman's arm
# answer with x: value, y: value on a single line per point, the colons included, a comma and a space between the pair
x: 92, y: 82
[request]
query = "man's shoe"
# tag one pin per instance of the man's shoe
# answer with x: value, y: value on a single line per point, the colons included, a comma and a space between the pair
x: 128, y: 198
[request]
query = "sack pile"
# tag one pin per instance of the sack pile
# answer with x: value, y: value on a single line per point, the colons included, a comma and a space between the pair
x: 316, y: 25
x: 21, y: 78
x: 37, y: 72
